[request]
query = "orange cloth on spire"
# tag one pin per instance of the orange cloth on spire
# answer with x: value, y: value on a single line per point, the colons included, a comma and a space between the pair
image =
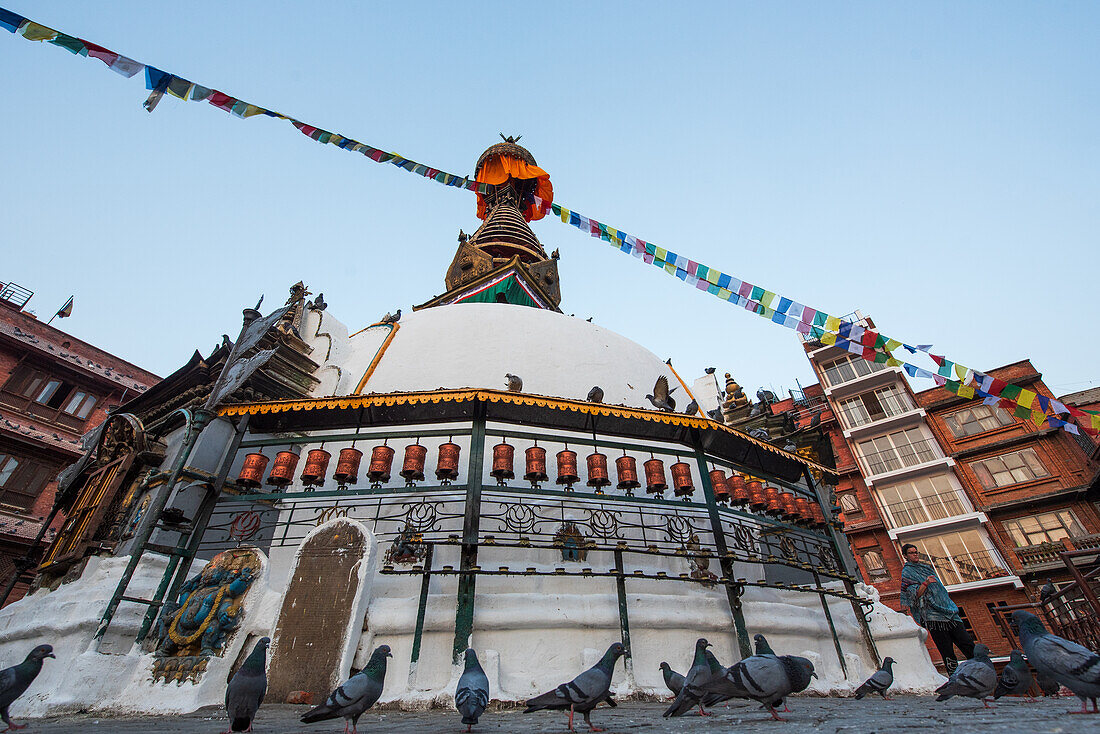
x: 497, y: 169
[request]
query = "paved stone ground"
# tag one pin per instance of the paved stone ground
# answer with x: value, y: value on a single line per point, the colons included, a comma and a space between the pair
x: 836, y: 715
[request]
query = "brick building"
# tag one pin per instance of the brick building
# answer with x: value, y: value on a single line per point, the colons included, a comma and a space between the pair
x: 987, y: 497
x: 53, y: 388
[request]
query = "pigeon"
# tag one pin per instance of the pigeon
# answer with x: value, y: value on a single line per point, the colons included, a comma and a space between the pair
x: 1048, y: 685
x: 767, y: 679
x: 1074, y: 666
x: 1015, y: 677
x: 1048, y: 590
x: 472, y: 693
x: 246, y: 689
x: 357, y: 694
x: 879, y: 682
x: 14, y: 681
x: 973, y: 678
x: 692, y: 408
x: 673, y: 680
x: 762, y: 646
x: 583, y: 693
x: 595, y: 395
x: 716, y: 415
x: 692, y: 694
x: 661, y: 397
x: 515, y: 383
x: 391, y: 318
x: 709, y: 370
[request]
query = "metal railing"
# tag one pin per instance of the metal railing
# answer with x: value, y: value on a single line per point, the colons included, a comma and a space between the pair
x: 15, y: 294
x: 924, y: 509
x: 968, y: 567
x: 856, y: 414
x: 1048, y: 555
x: 892, y: 459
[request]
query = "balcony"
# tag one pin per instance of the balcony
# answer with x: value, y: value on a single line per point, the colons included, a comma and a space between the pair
x: 969, y: 568
x: 1045, y: 556
x: 925, y: 509
x: 901, y: 457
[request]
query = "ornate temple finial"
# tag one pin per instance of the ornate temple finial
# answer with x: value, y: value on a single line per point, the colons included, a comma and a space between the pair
x: 510, y: 139
x: 462, y: 237
x: 259, y: 302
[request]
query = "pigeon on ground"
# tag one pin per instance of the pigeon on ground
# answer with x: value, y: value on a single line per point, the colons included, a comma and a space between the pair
x: 1048, y: 590
x: 1015, y: 677
x: 1074, y: 666
x: 583, y: 693
x: 14, y: 681
x: 662, y: 396
x: 762, y: 646
x: 595, y: 395
x: 392, y: 318
x: 246, y: 689
x: 879, y: 681
x: 692, y: 408
x: 767, y: 679
x: 357, y: 694
x: 673, y: 680
x: 515, y: 384
x: 973, y: 678
x: 692, y: 694
x: 1048, y: 685
x: 472, y: 693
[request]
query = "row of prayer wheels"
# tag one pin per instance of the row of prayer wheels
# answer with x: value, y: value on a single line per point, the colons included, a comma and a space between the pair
x: 737, y: 491
x: 347, y: 467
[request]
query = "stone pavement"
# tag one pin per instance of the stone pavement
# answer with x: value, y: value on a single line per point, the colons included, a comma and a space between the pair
x: 836, y: 715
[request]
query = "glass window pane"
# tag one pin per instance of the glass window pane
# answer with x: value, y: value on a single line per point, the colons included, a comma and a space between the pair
x: 48, y: 391
x: 75, y: 401
x: 7, y: 466
x: 86, y: 408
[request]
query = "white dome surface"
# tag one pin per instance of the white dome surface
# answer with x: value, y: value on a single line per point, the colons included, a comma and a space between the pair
x: 474, y: 345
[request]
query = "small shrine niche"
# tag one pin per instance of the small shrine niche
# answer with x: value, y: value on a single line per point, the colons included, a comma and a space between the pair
x: 407, y: 548
x: 571, y: 541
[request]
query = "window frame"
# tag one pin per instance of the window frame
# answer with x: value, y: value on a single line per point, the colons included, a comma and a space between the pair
x: 33, y: 389
x: 25, y: 481
x: 987, y: 477
x: 1014, y: 527
x: 957, y: 429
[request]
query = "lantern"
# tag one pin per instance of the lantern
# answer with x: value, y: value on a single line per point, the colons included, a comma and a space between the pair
x: 757, y: 500
x: 252, y: 472
x: 626, y: 468
x: 567, y: 469
x: 718, y: 484
x: 381, y: 461
x: 347, y: 466
x: 504, y: 455
x: 655, y: 477
x: 282, y: 471
x: 681, y: 479
x: 412, y: 469
x: 313, y: 475
x: 536, y: 465
x: 773, y: 506
x: 790, y: 507
x: 446, y: 468
x: 739, y: 493
x: 597, y: 472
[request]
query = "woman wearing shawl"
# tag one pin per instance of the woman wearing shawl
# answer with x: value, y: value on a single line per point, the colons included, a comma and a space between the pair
x: 927, y: 600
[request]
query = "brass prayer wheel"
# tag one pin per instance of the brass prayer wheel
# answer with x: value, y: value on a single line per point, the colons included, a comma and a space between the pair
x: 282, y: 471
x: 805, y: 512
x: 655, y: 476
x: 536, y: 464
x: 757, y: 500
x: 446, y: 467
x: 626, y: 469
x: 773, y: 505
x: 739, y: 493
x: 819, y: 516
x: 567, y: 468
x: 252, y: 472
x: 598, y: 476
x: 313, y: 475
x: 681, y: 479
x: 413, y: 467
x: 504, y: 455
x: 790, y: 507
x: 718, y: 484
x: 381, y: 462
x: 347, y: 466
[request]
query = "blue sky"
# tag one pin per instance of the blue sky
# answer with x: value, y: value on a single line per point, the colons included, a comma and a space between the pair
x: 935, y: 165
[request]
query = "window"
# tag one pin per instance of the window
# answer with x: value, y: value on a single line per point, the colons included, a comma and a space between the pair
x: 1008, y: 469
x: 21, y: 479
x: 48, y: 397
x: 960, y: 557
x: 897, y: 450
x: 1050, y: 527
x: 847, y: 369
x: 874, y: 564
x: 921, y: 500
x: 875, y: 405
x: 976, y: 419
x: 849, y: 504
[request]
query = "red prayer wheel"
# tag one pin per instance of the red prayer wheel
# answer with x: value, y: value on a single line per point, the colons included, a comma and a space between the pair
x: 681, y: 479
x: 806, y: 514
x: 739, y: 493
x: 598, y: 476
x: 282, y: 471
x: 535, y: 458
x: 655, y: 476
x: 774, y: 506
x: 381, y: 462
x: 790, y: 507
x: 626, y: 469
x: 412, y: 469
x: 252, y: 471
x: 347, y: 466
x: 446, y: 467
x: 504, y: 455
x: 718, y: 484
x: 313, y: 475
x: 819, y: 516
x: 567, y: 468
x: 757, y: 500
